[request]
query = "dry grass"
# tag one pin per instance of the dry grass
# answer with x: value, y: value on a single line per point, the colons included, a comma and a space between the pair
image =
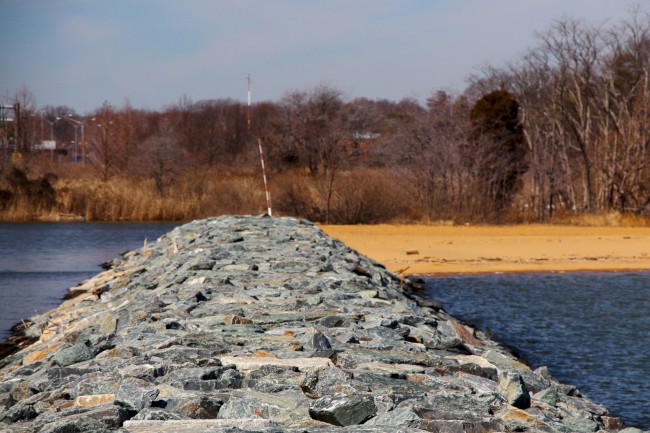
x: 360, y: 196
x: 190, y: 197
x: 612, y: 219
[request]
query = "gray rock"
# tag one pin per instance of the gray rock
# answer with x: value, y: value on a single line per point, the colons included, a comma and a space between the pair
x: 19, y: 412
x: 514, y: 390
x: 98, y: 419
x: 134, y: 396
x: 631, y: 430
x: 581, y: 425
x: 157, y: 414
x: 342, y: 409
x: 188, y: 407
x: 270, y: 379
x: 261, y: 405
x: 325, y: 381
x: 318, y: 341
x: 401, y: 417
x: 78, y: 353
x: 548, y: 396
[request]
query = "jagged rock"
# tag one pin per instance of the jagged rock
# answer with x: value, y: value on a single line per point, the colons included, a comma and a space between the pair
x: 20, y: 391
x: 134, y: 396
x: 157, y: 414
x: 342, y: 409
x: 581, y: 425
x: 194, y: 406
x: 78, y: 353
x: 261, y: 405
x: 548, y: 396
x: 19, y: 412
x: 272, y: 379
x: 512, y: 387
x: 317, y: 341
x: 101, y: 418
x: 324, y: 381
x: 612, y: 422
x: 401, y: 417
x: 520, y: 420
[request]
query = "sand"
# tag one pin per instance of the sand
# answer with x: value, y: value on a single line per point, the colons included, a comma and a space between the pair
x: 422, y: 249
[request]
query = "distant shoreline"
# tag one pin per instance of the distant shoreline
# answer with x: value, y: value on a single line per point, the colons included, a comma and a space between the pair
x: 444, y: 250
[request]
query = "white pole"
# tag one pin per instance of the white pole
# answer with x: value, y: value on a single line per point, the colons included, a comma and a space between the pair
x: 266, y: 187
x: 259, y: 143
x: 248, y: 78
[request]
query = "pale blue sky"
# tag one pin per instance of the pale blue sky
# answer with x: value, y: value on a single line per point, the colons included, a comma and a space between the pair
x: 81, y: 53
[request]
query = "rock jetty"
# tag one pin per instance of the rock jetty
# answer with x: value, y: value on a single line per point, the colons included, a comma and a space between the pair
x: 258, y: 324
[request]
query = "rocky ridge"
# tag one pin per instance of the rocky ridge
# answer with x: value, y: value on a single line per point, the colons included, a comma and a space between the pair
x: 257, y: 324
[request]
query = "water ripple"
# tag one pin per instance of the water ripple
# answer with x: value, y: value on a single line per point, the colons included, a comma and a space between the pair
x: 590, y: 329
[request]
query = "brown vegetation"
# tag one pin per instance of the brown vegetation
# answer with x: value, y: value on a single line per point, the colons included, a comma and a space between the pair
x: 561, y: 133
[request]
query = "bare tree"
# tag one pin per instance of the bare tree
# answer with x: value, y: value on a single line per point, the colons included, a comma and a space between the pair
x: 104, y: 152
x: 162, y: 159
x: 316, y: 129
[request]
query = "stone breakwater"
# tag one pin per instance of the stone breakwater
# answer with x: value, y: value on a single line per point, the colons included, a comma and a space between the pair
x: 257, y: 324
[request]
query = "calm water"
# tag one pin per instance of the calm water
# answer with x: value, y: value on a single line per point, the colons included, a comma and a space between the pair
x: 40, y: 261
x: 591, y: 329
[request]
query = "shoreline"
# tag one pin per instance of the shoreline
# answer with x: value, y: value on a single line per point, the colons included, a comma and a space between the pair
x: 455, y: 250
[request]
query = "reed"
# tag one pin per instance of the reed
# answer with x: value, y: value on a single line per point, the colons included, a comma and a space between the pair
x: 361, y: 196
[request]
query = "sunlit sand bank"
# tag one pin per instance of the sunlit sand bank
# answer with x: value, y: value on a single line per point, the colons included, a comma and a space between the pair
x: 422, y: 249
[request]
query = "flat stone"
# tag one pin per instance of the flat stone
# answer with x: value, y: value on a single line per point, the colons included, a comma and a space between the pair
x: 400, y: 417
x: 94, y: 400
x: 195, y: 425
x: 261, y: 405
x: 37, y: 355
x: 236, y: 320
x: 342, y: 409
x: 249, y: 363
x: 518, y: 418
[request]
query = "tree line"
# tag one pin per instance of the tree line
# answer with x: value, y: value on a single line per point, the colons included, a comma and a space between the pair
x: 563, y: 129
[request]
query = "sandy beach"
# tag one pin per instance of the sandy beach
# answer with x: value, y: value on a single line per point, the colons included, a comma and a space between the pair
x: 422, y: 249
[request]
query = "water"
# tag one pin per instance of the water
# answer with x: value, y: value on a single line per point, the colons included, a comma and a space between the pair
x: 591, y: 329
x: 40, y: 261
